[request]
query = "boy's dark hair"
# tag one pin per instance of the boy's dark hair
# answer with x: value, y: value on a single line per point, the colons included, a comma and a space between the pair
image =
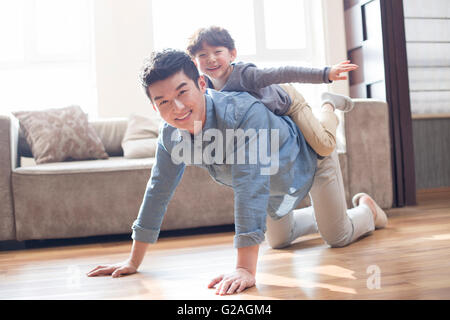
x: 214, y: 36
x: 164, y: 64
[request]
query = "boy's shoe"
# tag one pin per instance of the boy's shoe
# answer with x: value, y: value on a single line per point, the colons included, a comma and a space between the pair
x: 338, y: 101
x: 381, y: 219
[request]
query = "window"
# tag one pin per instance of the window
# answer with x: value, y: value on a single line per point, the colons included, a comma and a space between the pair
x: 45, y: 59
x: 269, y: 33
x: 427, y: 30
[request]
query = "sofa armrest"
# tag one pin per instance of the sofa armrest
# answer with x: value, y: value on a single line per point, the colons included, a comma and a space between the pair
x: 368, y: 151
x: 8, y: 161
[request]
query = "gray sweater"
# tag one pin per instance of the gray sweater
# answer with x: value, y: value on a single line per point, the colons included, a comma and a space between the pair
x: 263, y: 83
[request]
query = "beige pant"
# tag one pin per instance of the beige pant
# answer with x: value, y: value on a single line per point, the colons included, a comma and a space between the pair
x: 320, y: 133
x: 328, y: 214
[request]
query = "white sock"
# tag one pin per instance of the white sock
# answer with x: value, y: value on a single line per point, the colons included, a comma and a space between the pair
x: 338, y: 101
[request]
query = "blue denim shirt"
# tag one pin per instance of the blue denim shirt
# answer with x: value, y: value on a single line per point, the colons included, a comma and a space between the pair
x: 261, y: 185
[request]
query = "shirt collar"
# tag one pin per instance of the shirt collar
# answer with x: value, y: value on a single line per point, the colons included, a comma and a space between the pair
x: 210, y: 117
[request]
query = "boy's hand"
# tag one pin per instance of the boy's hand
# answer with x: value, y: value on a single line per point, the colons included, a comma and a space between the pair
x: 234, y: 282
x: 337, y: 69
x: 116, y: 270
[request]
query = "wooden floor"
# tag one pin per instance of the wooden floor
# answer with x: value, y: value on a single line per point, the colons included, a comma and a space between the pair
x: 412, y: 256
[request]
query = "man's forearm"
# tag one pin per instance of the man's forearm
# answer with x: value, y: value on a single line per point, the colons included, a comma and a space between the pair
x: 248, y: 258
x: 138, y: 251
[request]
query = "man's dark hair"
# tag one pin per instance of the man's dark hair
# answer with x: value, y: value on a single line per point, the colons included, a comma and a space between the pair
x: 213, y: 36
x: 164, y: 64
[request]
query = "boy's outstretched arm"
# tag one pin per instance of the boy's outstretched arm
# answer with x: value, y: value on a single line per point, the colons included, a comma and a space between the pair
x: 253, y: 78
x: 128, y: 266
x: 244, y: 275
x: 343, y: 67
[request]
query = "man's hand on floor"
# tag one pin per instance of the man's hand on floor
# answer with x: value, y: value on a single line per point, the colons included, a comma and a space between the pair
x: 234, y: 282
x: 115, y: 270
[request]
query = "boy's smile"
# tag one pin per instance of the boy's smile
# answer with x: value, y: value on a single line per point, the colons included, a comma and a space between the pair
x: 215, y: 62
x: 179, y: 101
x: 213, y: 68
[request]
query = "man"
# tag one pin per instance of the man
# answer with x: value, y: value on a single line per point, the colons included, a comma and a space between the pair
x: 262, y: 188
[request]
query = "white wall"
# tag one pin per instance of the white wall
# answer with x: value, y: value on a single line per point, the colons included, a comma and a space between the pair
x: 123, y: 37
x: 335, y: 45
x: 335, y: 48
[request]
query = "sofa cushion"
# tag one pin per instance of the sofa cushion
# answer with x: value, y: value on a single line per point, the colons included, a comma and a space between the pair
x: 142, y: 148
x: 60, y: 134
x: 141, y: 137
x: 83, y: 204
x: 111, y: 132
x: 111, y: 164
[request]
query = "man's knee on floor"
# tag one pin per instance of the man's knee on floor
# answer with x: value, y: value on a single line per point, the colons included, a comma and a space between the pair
x: 338, y: 242
x: 278, y: 243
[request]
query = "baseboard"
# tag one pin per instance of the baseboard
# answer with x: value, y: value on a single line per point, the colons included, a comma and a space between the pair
x: 433, y: 190
x: 432, y: 194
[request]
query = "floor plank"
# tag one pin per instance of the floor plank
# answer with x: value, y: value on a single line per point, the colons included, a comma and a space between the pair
x: 412, y: 256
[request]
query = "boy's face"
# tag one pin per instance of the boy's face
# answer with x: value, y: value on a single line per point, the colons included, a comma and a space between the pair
x: 214, y: 61
x: 179, y: 101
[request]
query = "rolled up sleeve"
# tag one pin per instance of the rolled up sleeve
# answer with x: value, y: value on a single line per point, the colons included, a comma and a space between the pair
x: 251, y: 198
x: 164, y: 179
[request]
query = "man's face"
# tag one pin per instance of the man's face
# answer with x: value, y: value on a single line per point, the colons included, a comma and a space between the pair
x: 179, y: 102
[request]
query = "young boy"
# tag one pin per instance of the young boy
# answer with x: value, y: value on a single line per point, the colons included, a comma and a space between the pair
x: 214, y: 51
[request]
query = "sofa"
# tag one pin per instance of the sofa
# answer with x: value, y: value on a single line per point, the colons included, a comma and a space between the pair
x: 102, y: 197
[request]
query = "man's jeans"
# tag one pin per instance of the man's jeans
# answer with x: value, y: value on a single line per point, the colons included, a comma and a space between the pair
x: 328, y: 215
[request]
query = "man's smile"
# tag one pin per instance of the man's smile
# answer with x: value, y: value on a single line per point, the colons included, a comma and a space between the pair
x: 184, y: 117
